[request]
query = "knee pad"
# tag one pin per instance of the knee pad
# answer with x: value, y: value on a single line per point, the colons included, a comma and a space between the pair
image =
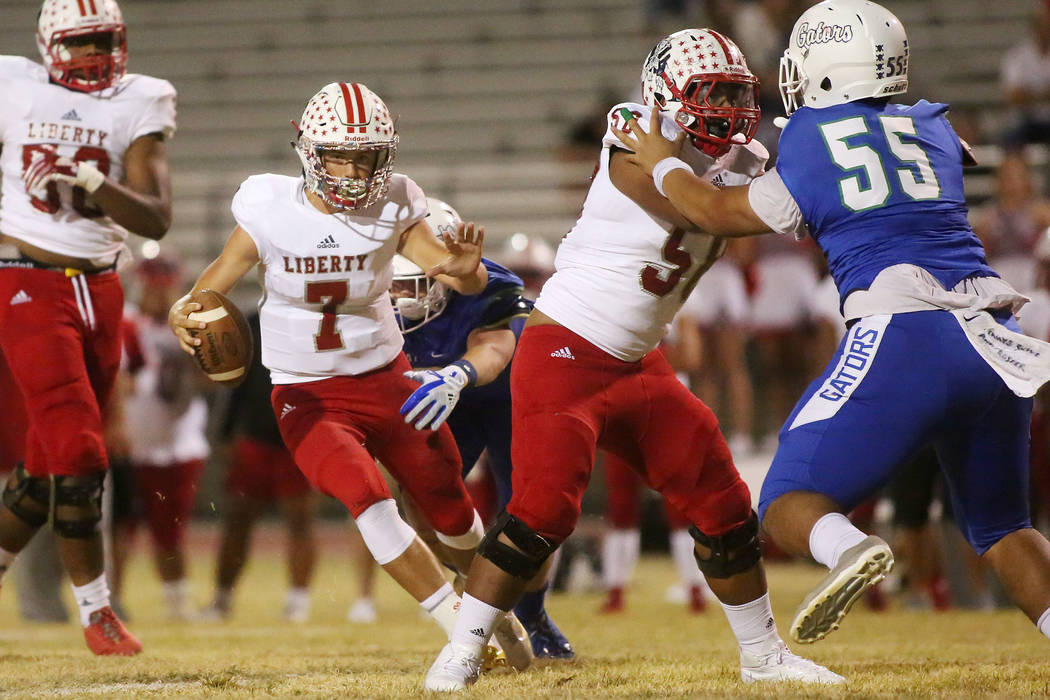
x: 78, y: 504
x: 385, y: 533
x: 732, y: 553
x: 28, y: 497
x: 469, y: 539
x: 532, y: 548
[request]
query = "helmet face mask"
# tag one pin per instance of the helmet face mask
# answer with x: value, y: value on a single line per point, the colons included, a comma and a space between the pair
x: 700, y: 78
x: 66, y: 25
x: 418, y: 299
x: 841, y: 51
x: 341, y: 119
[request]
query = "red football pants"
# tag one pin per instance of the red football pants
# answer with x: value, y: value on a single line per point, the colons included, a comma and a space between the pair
x: 566, y: 407
x: 167, y: 494
x: 624, y: 487
x: 336, y: 428
x: 61, y: 338
x: 264, y: 472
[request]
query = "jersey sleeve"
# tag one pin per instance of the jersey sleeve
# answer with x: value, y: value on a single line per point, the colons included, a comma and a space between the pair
x: 158, y: 114
x: 249, y: 203
x: 15, y: 70
x: 744, y: 163
x: 415, y: 206
x: 772, y: 202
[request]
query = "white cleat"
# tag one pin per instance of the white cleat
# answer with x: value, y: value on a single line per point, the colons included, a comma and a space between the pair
x: 860, y: 568
x: 362, y: 612
x: 455, y: 668
x: 781, y: 665
x: 514, y: 641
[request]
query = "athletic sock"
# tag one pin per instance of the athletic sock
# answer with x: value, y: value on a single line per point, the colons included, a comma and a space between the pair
x: 682, y: 547
x: 1044, y: 623
x: 753, y: 625
x: 475, y: 623
x: 531, y: 604
x: 831, y: 536
x: 443, y: 605
x: 91, y: 597
x: 297, y: 601
x: 176, y: 593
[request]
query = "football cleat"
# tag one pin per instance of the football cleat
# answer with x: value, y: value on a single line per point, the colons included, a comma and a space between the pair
x: 782, y: 665
x: 547, y: 640
x: 107, y: 636
x: 514, y: 641
x: 614, y: 602
x: 363, y: 611
x: 455, y: 668
x: 860, y: 568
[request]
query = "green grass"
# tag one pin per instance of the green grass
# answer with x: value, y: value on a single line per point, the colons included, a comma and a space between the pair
x: 653, y: 650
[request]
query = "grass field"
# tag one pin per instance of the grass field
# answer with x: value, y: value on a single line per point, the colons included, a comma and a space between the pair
x: 654, y: 650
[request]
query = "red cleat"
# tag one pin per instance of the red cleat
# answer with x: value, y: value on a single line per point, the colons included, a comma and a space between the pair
x: 940, y: 595
x: 107, y: 636
x: 876, y: 599
x: 613, y: 603
x: 697, y: 601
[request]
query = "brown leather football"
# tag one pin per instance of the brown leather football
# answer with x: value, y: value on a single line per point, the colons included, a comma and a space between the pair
x: 225, y: 352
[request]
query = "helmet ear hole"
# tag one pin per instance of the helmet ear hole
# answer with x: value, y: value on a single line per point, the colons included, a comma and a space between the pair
x: 825, y: 84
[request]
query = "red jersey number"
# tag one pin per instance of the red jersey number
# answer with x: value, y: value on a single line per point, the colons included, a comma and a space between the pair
x: 53, y: 202
x: 330, y: 295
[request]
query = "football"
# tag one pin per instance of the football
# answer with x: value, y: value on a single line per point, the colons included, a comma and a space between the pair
x: 225, y: 352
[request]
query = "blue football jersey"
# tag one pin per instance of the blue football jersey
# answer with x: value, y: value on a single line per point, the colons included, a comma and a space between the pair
x: 444, y: 339
x: 881, y: 185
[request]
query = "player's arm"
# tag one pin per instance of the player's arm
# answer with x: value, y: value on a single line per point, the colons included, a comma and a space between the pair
x: 489, y: 350
x: 722, y: 212
x: 238, y: 257
x: 638, y: 185
x: 456, y: 264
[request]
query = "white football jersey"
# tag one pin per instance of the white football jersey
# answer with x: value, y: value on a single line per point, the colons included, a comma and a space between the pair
x: 621, y: 273
x: 326, y: 309
x: 39, y: 117
x: 165, y: 414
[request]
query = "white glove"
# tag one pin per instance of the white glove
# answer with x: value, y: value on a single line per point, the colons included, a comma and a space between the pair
x: 434, y: 401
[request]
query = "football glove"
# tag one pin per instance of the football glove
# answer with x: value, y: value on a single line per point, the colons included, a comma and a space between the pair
x: 52, y: 168
x: 432, y: 402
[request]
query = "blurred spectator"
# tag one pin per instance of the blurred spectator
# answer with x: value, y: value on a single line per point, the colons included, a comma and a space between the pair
x: 261, y: 472
x: 530, y: 258
x: 1025, y: 76
x: 1010, y: 225
x: 166, y: 416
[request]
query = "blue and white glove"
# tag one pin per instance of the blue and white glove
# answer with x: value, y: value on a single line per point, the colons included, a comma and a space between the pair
x: 434, y: 401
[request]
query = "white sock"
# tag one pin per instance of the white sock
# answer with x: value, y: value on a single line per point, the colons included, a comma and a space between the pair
x: 682, y: 554
x: 176, y: 593
x: 1044, y: 623
x: 6, y: 558
x: 619, y: 556
x: 443, y: 605
x: 297, y: 598
x: 753, y: 625
x: 832, y: 535
x: 474, y: 624
x: 91, y: 597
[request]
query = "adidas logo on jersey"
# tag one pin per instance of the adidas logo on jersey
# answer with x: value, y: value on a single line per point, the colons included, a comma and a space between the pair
x: 564, y: 352
x: 288, y: 408
x: 20, y: 297
x: 71, y: 115
x: 328, y: 242
x: 718, y: 181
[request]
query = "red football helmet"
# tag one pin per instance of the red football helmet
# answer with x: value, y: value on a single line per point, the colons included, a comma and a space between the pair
x: 701, y: 80
x: 63, y: 24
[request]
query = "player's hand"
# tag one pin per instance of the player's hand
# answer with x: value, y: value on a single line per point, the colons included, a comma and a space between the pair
x: 464, y: 251
x: 180, y: 323
x: 649, y: 147
x: 432, y: 402
x: 50, y: 167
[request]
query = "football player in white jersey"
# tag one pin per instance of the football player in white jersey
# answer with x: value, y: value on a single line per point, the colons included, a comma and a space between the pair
x: 325, y: 242
x: 585, y: 375
x: 83, y: 163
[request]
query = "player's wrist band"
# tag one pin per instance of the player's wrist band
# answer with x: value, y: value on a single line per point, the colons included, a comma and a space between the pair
x: 665, y: 166
x: 468, y: 369
x: 89, y: 177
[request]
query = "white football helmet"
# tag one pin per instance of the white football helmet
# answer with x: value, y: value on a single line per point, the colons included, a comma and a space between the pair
x: 419, y: 299
x: 62, y: 23
x: 841, y: 51
x: 701, y: 80
x: 345, y: 117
